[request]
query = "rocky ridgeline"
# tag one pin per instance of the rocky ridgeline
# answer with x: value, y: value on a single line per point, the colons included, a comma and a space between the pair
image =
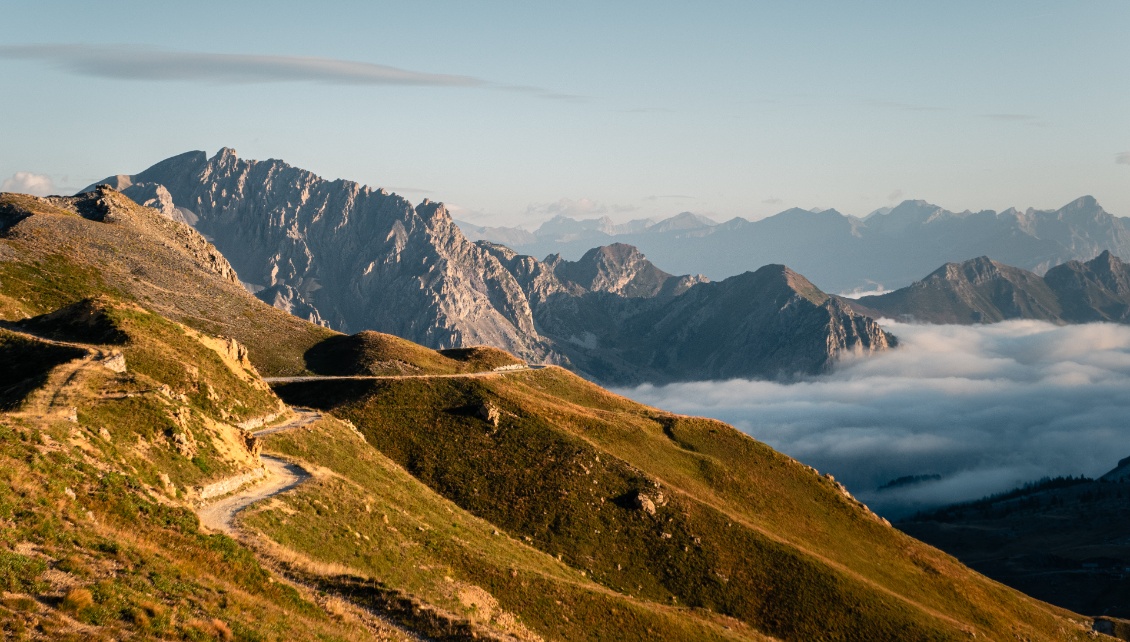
x: 346, y: 255
x: 355, y: 258
x: 984, y: 291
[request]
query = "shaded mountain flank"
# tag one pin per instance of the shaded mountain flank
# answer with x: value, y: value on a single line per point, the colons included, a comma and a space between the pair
x: 522, y: 504
x: 984, y: 291
x: 1065, y: 540
x: 772, y: 323
x: 354, y: 258
x: 844, y: 253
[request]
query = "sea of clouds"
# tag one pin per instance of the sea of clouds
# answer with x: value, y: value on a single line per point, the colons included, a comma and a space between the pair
x: 985, y: 407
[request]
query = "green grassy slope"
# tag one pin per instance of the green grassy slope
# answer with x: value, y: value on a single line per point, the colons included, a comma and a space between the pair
x: 376, y: 353
x: 364, y: 515
x: 51, y: 256
x: 739, y: 530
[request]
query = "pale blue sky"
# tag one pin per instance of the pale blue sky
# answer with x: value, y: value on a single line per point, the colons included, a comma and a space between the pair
x: 514, y: 110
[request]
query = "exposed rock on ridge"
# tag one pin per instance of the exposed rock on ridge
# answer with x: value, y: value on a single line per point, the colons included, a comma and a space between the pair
x: 984, y: 291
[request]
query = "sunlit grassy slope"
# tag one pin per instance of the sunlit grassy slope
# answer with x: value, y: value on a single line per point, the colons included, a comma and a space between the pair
x: 97, y: 537
x: 737, y: 530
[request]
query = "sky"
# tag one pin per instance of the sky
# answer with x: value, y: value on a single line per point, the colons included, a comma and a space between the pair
x: 511, y: 111
x: 986, y: 408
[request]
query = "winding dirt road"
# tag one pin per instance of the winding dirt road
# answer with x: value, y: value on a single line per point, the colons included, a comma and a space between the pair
x: 281, y: 477
x: 461, y: 375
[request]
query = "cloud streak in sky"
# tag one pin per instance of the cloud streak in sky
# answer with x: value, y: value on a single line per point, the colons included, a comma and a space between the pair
x: 138, y: 63
x: 985, y: 407
x: 1011, y: 118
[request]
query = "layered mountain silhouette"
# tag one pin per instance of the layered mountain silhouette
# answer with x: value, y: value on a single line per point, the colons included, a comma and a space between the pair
x: 843, y: 253
x: 984, y: 291
x: 355, y: 258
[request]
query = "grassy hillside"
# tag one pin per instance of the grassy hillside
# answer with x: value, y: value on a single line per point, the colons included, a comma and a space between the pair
x: 733, y: 527
x: 376, y: 353
x: 366, y: 516
x: 97, y: 467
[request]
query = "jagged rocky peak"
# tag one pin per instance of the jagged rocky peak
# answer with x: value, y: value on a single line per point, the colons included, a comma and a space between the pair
x: 352, y: 257
x: 620, y: 269
x: 782, y: 281
x: 1083, y: 205
x: 976, y: 271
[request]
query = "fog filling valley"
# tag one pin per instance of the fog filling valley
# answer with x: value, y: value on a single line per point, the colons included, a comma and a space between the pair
x: 986, y: 408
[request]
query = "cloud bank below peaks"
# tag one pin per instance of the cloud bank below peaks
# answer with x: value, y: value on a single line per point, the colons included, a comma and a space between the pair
x: 985, y: 407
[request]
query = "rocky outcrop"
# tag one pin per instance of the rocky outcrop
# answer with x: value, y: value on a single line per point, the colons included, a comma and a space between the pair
x: 619, y: 269
x: 347, y: 255
x: 489, y: 413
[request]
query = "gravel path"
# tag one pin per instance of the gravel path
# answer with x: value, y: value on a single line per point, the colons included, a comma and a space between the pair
x: 281, y: 477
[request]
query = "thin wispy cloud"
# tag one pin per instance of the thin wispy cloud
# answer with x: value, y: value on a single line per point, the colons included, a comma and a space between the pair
x: 1122, y: 158
x: 772, y: 201
x: 1013, y: 118
x: 143, y: 63
x: 656, y: 197
x: 907, y: 106
x: 985, y: 407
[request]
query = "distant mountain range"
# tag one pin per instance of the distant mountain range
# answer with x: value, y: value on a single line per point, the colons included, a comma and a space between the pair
x: 838, y: 252
x: 984, y: 291
x: 356, y: 258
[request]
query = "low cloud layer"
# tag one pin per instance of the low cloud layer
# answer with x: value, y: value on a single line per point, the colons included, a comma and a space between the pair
x: 129, y: 62
x: 984, y: 407
x: 28, y: 183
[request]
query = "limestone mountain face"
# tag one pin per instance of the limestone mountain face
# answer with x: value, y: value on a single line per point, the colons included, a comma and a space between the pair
x: 985, y: 291
x: 346, y: 255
